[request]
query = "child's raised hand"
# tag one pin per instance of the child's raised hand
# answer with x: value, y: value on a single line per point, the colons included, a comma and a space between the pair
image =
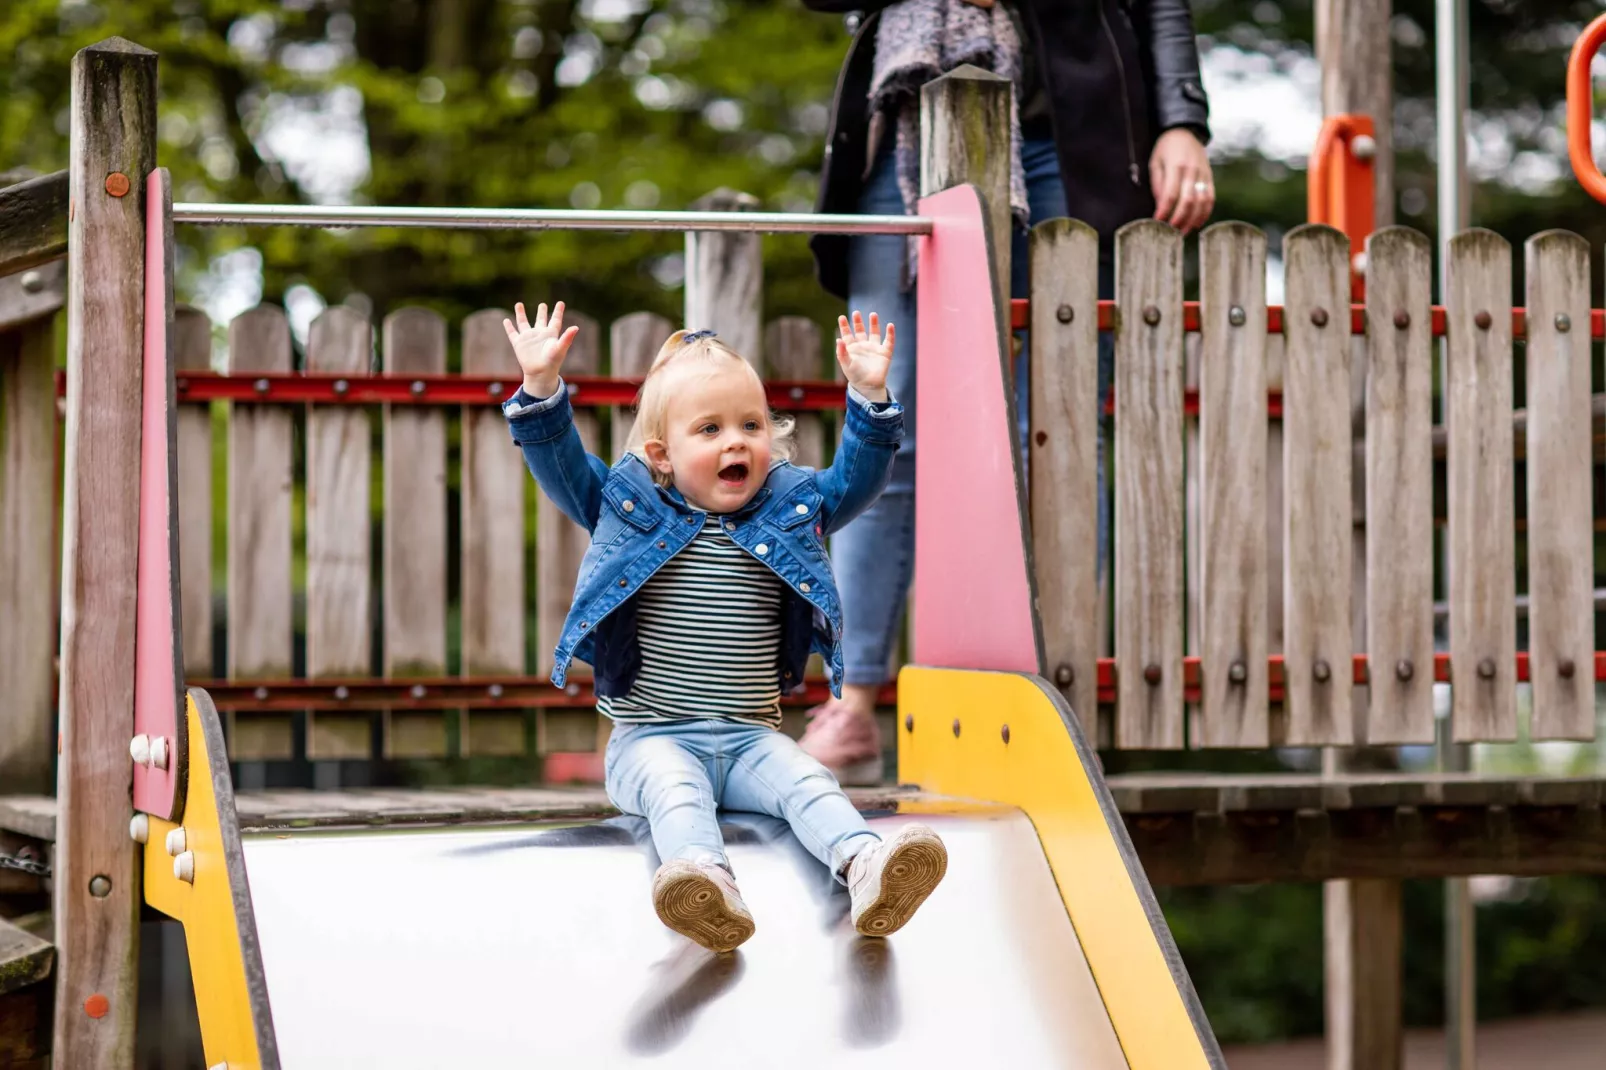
x: 540, y: 347
x: 864, y: 355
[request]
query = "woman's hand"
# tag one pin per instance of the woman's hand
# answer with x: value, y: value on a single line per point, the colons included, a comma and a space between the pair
x: 1179, y: 174
x: 864, y: 356
x: 540, y: 347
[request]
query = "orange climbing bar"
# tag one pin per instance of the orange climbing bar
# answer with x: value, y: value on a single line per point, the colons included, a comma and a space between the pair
x: 1580, y: 111
x: 1341, y: 187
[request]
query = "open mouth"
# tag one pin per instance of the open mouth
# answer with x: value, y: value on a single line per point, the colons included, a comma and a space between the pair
x: 733, y: 473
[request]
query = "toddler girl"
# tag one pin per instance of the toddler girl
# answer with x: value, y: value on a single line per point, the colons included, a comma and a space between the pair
x: 704, y: 590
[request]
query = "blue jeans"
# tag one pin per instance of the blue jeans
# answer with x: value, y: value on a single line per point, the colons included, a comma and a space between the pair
x: 676, y: 774
x: 874, y: 554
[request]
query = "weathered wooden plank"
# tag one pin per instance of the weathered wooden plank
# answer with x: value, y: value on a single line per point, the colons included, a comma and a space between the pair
x: 24, y: 958
x: 725, y: 278
x: 28, y: 519
x: 493, y: 539
x: 792, y: 352
x: 260, y: 626
x: 1317, y: 522
x: 339, y: 556
x: 1148, y: 486
x: 1399, y: 487
x: 1561, y: 617
x: 1232, y: 264
x: 1064, y: 454
x: 113, y: 127
x: 634, y: 341
x: 560, y: 543
x: 192, y: 351
x: 1483, y: 625
x: 964, y: 138
x: 28, y: 295
x: 33, y: 220
x: 414, y: 592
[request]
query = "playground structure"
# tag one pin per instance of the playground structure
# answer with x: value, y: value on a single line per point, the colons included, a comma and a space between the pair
x: 1228, y: 632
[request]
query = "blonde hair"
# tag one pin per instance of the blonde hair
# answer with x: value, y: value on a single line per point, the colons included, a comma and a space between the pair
x: 684, y: 349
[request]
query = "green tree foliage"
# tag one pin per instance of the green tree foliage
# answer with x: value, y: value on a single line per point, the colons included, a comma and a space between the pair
x: 552, y: 103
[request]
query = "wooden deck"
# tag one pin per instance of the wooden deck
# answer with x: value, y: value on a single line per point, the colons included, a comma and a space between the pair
x: 1188, y: 829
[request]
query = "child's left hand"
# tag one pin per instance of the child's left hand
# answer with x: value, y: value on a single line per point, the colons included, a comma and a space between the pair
x: 864, y: 356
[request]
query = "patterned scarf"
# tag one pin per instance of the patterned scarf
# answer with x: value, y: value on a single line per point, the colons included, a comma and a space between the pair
x: 917, y: 41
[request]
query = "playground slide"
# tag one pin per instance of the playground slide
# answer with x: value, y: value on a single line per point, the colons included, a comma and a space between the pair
x: 535, y: 944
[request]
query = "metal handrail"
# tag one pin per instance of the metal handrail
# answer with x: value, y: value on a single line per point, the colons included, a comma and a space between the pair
x: 1580, y: 109
x: 351, y: 215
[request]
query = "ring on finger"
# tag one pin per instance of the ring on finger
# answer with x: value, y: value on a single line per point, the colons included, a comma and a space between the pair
x: 1201, y: 187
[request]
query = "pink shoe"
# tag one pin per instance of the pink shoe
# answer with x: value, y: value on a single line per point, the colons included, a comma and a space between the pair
x: 845, y: 742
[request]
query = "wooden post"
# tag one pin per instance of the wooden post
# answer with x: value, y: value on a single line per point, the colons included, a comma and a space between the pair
x: 28, y: 304
x: 97, y: 893
x: 964, y: 137
x: 725, y: 279
x: 1353, y: 46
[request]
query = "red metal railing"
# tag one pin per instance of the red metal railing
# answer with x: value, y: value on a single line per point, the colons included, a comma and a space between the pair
x: 498, y: 692
x: 297, y: 388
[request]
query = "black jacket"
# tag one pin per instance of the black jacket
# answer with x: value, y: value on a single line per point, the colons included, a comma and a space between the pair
x: 1089, y: 53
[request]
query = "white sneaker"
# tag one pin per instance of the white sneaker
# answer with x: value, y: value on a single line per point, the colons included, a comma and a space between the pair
x: 702, y: 904
x: 889, y: 880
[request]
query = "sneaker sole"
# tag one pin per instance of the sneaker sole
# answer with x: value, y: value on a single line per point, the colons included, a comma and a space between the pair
x: 912, y: 871
x: 694, y: 906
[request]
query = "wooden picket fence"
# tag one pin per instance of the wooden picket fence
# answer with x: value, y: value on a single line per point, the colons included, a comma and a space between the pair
x: 1247, y: 609
x: 1236, y: 538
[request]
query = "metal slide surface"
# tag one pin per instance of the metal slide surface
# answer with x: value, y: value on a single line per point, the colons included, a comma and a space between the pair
x: 537, y: 945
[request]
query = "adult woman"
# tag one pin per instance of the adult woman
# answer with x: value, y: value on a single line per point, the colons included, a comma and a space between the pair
x: 1078, y: 155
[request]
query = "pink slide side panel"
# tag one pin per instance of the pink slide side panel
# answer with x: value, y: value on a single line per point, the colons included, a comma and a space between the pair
x: 974, y: 604
x: 158, y: 675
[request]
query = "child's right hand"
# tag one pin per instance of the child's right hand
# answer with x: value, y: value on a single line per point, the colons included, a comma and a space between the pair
x: 540, y: 347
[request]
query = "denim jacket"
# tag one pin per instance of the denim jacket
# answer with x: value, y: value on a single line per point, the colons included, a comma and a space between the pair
x: 636, y: 526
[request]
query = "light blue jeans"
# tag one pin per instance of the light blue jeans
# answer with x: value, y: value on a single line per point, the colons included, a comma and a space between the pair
x: 676, y: 775
x: 874, y: 554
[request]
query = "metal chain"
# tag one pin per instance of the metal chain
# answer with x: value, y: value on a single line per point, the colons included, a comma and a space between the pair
x: 25, y: 864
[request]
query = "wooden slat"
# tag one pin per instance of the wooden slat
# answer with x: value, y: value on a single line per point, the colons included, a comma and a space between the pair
x: 113, y: 127
x: 1399, y: 487
x: 493, y: 539
x: 25, y: 959
x: 1483, y: 625
x: 414, y: 593
x: 560, y: 543
x: 792, y: 351
x: 29, y: 295
x: 28, y: 519
x: 260, y: 624
x: 340, y: 624
x: 1561, y: 620
x: 1064, y: 455
x: 1316, y: 483
x: 33, y: 221
x: 725, y: 278
x: 1148, y: 486
x: 634, y: 341
x: 1232, y: 264
x: 192, y: 351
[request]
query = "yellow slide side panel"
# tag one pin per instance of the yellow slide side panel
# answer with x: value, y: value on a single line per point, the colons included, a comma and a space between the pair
x: 957, y: 744
x: 230, y: 993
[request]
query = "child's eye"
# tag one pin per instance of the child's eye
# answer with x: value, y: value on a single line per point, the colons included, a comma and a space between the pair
x: 751, y: 425
x: 709, y: 429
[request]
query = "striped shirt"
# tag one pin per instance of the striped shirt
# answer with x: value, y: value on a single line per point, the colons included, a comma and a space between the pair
x: 709, y: 626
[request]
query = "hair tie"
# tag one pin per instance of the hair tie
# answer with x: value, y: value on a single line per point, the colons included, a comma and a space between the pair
x: 695, y: 336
